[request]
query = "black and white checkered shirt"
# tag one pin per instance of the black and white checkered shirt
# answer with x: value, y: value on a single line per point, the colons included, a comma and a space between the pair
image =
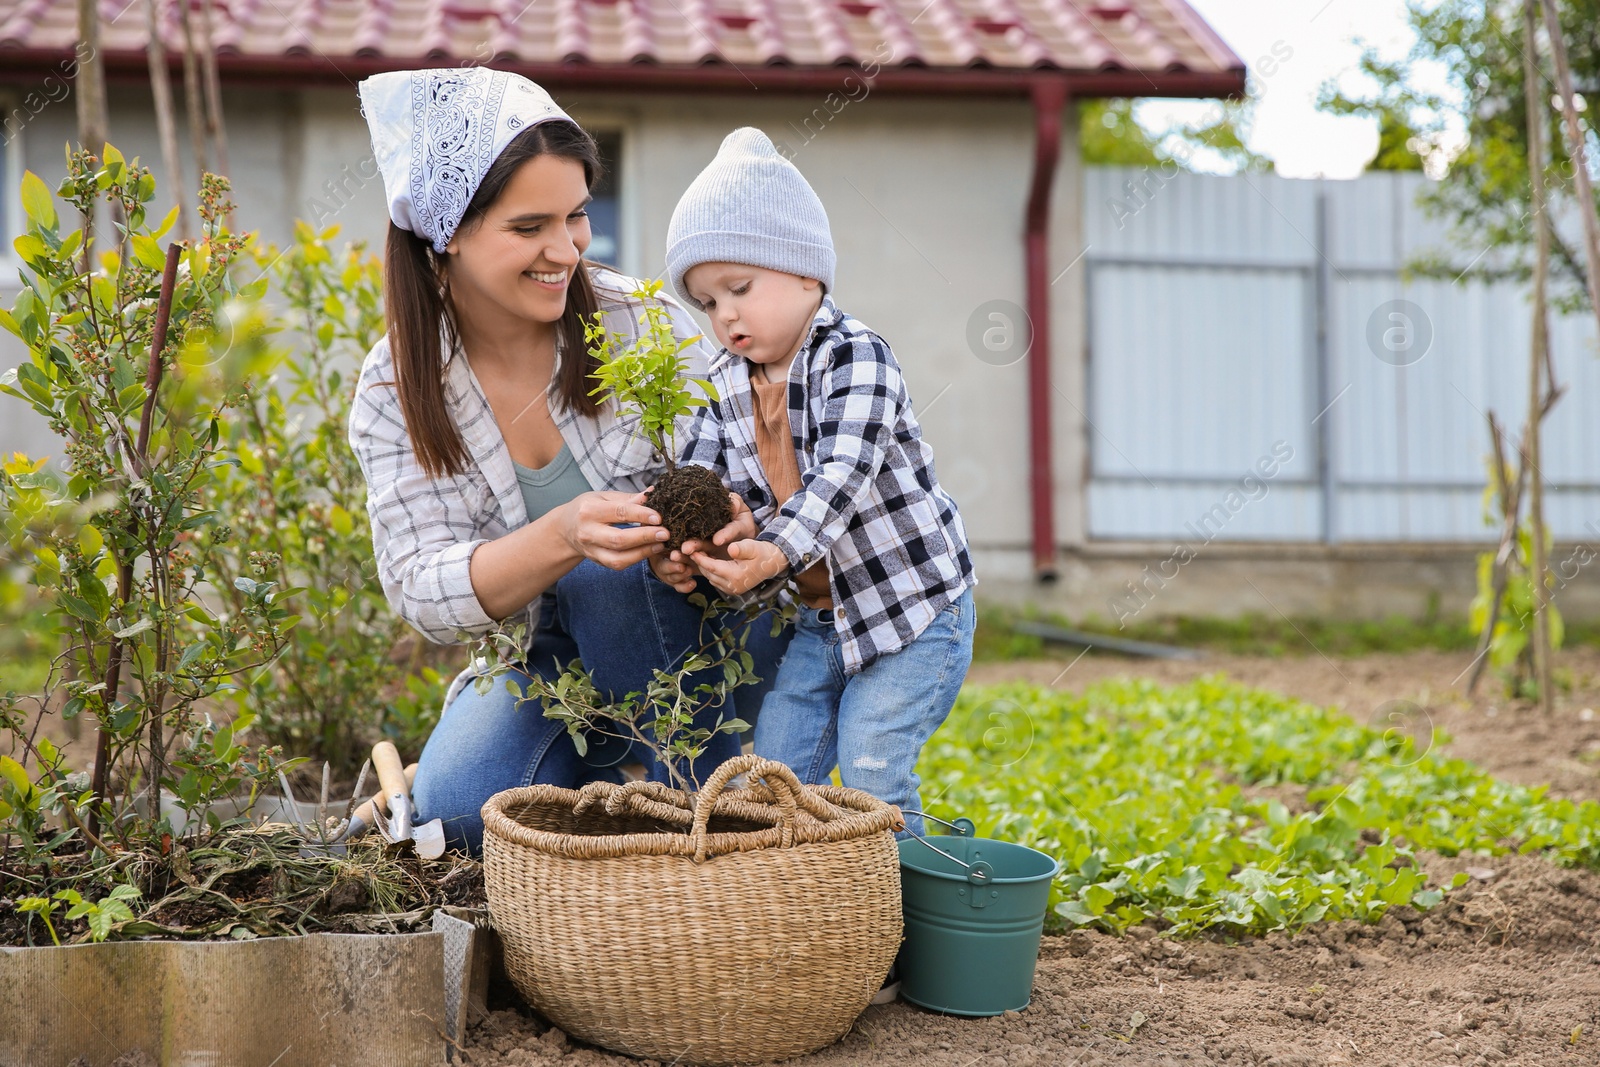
x: 868, y: 502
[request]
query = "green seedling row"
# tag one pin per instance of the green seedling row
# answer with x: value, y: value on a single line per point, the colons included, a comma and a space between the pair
x: 1216, y: 807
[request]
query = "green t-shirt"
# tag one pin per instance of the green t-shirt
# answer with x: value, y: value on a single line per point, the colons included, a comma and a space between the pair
x: 546, y: 488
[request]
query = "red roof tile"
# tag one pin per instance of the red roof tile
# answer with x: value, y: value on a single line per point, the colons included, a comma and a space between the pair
x: 958, y: 37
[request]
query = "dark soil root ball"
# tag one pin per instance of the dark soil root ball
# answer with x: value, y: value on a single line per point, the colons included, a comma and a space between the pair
x: 692, y: 504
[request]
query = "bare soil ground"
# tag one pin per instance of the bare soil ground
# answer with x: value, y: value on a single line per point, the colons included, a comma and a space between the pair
x: 1507, y: 971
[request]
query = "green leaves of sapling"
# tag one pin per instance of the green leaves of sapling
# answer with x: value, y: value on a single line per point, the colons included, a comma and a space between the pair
x: 110, y: 533
x: 648, y: 376
x: 662, y: 717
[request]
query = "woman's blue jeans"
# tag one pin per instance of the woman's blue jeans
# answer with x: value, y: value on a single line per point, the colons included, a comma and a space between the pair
x: 623, y: 625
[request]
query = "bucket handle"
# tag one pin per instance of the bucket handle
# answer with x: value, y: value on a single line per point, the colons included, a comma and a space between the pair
x: 978, y: 873
x: 962, y: 827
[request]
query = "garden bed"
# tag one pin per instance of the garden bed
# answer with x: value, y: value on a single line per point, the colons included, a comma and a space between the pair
x: 1510, y: 739
x: 1505, y: 969
x: 319, y: 999
x: 250, y: 952
x: 1502, y: 974
x: 257, y: 885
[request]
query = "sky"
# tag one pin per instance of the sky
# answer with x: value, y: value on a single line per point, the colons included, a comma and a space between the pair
x: 1321, y: 39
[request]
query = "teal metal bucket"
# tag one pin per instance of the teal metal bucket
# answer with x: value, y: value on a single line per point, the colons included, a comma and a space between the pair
x: 972, y: 923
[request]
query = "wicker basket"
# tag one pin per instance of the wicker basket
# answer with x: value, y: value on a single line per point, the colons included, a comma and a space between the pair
x: 737, y: 926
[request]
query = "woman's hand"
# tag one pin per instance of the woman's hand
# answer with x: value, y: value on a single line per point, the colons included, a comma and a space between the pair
x: 749, y: 563
x: 510, y: 572
x: 591, y: 525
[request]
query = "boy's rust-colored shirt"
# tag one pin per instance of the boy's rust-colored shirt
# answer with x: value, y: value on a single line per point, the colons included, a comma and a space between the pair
x: 775, y: 448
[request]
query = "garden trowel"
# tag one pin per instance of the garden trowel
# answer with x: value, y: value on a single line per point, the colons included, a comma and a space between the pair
x: 398, y: 827
x: 363, y: 819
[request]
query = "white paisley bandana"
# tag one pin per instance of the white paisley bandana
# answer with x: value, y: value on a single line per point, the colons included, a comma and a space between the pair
x: 436, y: 132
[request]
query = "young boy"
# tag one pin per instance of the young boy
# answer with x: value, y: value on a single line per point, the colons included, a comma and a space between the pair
x: 814, y: 430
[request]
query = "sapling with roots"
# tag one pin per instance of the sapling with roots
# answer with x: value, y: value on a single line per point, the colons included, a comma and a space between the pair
x: 648, y: 378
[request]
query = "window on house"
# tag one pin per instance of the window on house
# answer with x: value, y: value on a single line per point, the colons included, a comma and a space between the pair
x: 604, y: 215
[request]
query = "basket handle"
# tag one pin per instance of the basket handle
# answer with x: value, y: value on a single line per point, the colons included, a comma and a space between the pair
x: 644, y: 797
x: 785, y: 787
x: 807, y: 800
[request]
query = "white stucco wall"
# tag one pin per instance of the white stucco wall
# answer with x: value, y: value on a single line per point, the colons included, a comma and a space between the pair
x: 926, y: 200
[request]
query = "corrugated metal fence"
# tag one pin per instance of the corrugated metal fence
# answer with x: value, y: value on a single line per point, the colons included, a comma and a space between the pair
x: 1259, y: 370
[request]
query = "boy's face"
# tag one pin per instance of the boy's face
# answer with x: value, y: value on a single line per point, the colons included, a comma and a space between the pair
x: 756, y: 313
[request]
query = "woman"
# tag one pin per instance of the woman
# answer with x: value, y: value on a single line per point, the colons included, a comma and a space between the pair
x: 499, y: 489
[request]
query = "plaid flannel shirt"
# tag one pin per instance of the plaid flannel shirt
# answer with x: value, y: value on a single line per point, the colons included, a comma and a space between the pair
x: 868, y: 502
x: 425, y: 529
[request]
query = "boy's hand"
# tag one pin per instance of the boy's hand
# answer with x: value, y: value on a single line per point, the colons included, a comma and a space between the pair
x: 749, y: 563
x: 742, y: 527
x: 675, y: 570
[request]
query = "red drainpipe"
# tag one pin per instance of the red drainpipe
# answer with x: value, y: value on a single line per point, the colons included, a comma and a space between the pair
x: 1049, y: 97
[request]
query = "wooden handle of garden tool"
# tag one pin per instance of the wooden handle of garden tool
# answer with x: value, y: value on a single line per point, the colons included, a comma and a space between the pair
x: 391, y: 772
x: 380, y: 800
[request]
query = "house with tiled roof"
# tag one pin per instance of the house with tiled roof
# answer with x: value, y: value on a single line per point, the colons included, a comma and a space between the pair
x: 940, y: 135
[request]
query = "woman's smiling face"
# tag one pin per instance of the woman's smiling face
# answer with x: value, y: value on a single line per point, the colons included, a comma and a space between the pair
x: 517, y: 259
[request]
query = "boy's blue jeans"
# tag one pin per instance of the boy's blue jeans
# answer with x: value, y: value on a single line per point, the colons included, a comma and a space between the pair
x: 622, y: 625
x: 871, y: 726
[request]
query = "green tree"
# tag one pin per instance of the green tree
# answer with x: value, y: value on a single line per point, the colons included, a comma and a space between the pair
x: 296, y: 501
x: 1485, y: 190
x: 119, y: 543
x: 1401, y: 145
x: 1397, y: 145
x: 1109, y: 135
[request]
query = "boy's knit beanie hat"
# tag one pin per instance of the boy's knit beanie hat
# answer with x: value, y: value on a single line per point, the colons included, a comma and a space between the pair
x: 751, y: 206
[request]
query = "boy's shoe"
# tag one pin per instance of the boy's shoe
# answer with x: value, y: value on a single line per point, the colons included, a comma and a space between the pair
x: 891, y: 987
